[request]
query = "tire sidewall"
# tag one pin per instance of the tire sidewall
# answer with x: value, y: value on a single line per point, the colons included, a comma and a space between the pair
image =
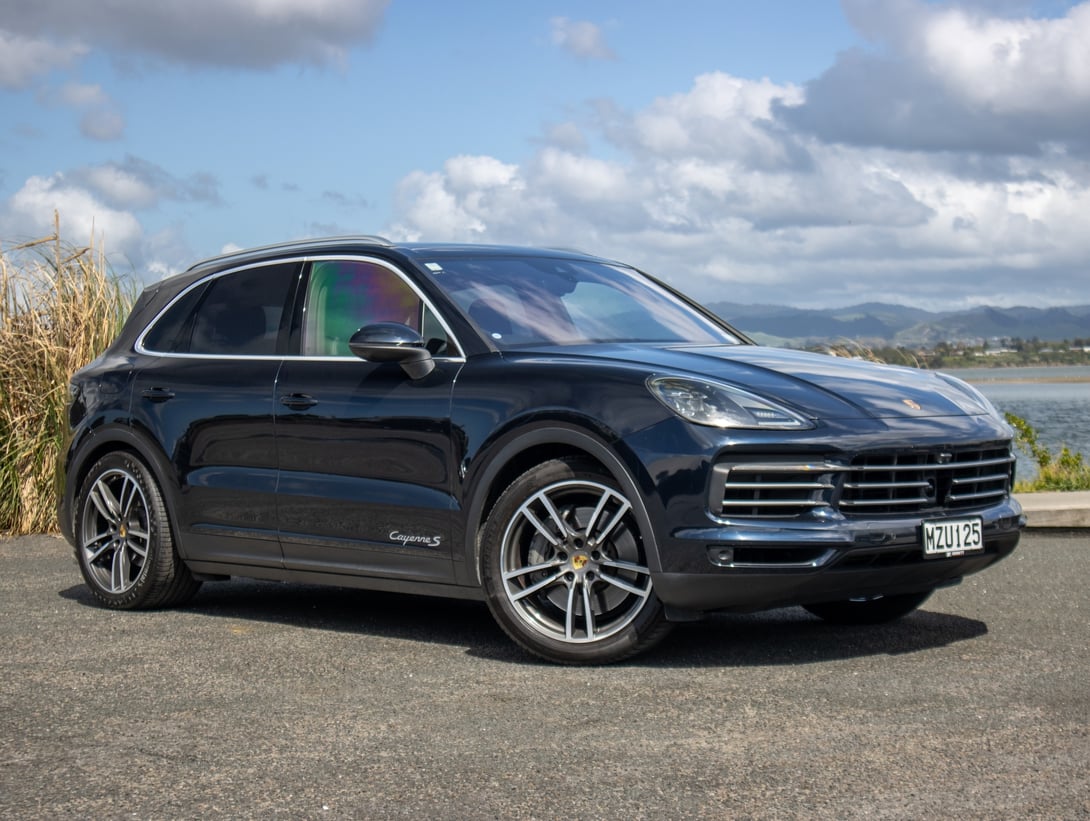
x: 158, y: 531
x: 627, y: 641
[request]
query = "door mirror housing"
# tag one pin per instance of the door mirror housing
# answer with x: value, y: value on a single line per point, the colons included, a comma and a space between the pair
x: 393, y: 342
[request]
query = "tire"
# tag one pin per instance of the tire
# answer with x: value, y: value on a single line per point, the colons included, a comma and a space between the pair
x: 124, y: 542
x: 877, y: 610
x: 564, y: 567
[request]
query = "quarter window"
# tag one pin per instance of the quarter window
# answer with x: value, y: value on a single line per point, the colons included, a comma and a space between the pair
x: 236, y: 314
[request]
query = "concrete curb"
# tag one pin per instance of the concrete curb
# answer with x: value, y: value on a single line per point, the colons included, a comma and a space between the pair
x: 1056, y: 508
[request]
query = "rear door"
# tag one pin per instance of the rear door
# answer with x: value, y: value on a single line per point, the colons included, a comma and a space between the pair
x: 206, y: 395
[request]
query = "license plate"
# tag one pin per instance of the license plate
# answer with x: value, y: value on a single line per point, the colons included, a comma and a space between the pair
x: 952, y: 537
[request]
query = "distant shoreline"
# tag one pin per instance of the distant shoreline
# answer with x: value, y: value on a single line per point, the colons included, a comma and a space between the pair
x: 1023, y: 374
x: 1014, y: 379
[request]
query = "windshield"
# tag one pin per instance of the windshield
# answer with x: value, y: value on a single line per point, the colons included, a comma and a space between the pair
x: 523, y: 301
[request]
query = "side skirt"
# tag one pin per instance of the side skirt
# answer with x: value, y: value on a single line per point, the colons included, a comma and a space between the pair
x: 221, y: 571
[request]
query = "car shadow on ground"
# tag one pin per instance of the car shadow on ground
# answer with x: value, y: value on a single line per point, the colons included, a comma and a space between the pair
x: 788, y: 636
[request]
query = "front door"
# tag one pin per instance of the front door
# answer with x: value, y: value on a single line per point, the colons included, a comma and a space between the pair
x: 364, y: 451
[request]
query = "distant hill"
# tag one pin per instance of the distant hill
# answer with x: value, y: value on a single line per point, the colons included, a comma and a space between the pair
x: 876, y: 323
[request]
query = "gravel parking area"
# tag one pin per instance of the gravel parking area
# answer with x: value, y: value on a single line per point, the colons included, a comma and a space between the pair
x: 267, y: 700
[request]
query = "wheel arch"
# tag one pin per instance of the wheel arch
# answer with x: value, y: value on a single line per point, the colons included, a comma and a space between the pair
x: 114, y: 439
x: 523, y: 449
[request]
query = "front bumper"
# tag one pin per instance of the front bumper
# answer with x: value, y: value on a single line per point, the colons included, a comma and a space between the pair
x: 748, y: 566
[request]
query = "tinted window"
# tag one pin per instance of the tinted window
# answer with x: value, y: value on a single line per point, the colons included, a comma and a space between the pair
x: 171, y: 333
x: 345, y: 295
x: 532, y: 300
x: 236, y: 314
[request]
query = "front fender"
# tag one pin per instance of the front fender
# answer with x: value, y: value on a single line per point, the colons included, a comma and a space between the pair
x: 535, y: 439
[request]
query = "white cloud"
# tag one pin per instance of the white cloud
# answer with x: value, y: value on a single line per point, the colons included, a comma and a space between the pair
x: 581, y: 38
x: 428, y: 209
x: 567, y: 136
x: 30, y: 213
x: 80, y: 95
x: 250, y: 33
x: 24, y: 58
x: 956, y: 78
x: 466, y: 173
x: 719, y: 116
x: 718, y: 190
x: 102, y: 204
x: 100, y: 116
x: 135, y: 184
x: 580, y: 178
x: 104, y: 124
x: 1008, y: 65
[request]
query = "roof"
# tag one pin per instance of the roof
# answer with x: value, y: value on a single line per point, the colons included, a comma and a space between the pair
x: 408, y: 248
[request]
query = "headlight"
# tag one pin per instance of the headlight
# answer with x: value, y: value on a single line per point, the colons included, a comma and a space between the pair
x: 723, y: 406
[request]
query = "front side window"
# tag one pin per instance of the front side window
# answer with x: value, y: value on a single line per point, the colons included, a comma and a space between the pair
x: 237, y: 314
x: 345, y: 295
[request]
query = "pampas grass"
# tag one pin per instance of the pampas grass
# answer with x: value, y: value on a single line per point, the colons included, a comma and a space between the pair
x: 61, y: 306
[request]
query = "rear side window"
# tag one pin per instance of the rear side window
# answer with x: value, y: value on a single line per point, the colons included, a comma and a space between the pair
x: 237, y: 314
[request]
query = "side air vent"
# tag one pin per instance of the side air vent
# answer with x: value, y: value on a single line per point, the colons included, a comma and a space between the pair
x: 772, y: 489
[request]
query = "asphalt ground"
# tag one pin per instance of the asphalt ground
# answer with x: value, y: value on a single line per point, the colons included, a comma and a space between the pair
x: 273, y: 701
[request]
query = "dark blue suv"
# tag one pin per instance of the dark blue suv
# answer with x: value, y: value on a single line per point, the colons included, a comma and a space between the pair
x: 560, y: 435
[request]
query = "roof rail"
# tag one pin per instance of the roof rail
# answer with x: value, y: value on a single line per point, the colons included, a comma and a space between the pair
x: 243, y: 253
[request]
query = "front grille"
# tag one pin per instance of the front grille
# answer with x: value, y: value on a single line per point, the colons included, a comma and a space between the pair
x: 876, y: 483
x: 911, y: 482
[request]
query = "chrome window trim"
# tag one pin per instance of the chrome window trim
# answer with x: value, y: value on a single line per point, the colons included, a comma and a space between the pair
x: 141, y: 349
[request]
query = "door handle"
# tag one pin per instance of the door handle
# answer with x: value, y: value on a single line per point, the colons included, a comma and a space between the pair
x: 298, y: 401
x: 158, y: 394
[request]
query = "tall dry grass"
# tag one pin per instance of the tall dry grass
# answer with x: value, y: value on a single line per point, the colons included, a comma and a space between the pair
x: 61, y: 306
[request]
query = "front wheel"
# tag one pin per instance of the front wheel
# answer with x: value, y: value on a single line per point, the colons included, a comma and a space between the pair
x: 872, y: 610
x: 125, y: 546
x: 564, y: 567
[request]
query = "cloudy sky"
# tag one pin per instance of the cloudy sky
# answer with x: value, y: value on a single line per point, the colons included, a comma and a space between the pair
x: 803, y: 152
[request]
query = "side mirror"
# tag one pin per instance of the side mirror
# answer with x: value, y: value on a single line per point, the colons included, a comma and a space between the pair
x: 393, y: 342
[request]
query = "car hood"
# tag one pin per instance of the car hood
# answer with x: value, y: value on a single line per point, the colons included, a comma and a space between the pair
x: 819, y: 385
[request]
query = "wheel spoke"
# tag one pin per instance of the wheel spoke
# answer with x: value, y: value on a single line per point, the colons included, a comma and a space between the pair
x: 616, y: 520
x: 129, y: 494
x: 521, y: 594
x: 554, y: 514
x: 539, y: 527
x: 602, y: 501
x: 105, y: 502
x: 139, y: 549
x: 119, y: 570
x: 621, y: 564
x: 569, y: 614
x: 624, y: 585
x: 534, y: 568
x: 588, y: 611
x: 137, y: 533
x: 103, y: 540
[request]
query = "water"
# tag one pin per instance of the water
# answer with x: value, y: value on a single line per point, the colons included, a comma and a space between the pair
x: 1055, y: 401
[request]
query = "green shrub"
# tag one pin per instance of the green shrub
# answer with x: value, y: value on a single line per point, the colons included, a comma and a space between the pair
x: 61, y: 306
x: 1065, y: 471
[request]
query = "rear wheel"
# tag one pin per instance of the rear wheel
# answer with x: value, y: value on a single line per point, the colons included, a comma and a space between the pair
x: 125, y: 546
x: 564, y: 567
x: 873, y: 610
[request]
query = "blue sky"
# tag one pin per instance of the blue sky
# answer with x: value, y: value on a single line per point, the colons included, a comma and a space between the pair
x: 799, y: 152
